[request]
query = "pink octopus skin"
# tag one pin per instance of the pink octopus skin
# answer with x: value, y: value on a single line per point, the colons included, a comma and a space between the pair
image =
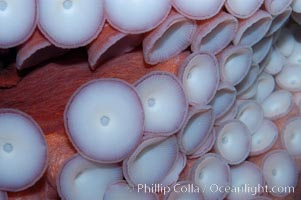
x: 109, y: 51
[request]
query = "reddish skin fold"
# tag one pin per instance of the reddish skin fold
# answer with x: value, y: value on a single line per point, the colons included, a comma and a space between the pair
x: 4, y: 51
x: 9, y: 76
x: 111, y: 43
x: 60, y: 149
x: 36, y: 50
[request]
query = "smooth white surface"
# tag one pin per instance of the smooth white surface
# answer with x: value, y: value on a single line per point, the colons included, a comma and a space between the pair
x: 61, y: 19
x: 196, y: 130
x: 279, y: 20
x: 223, y: 101
x: 219, y: 37
x: 253, y: 29
x: 175, y: 171
x: 243, y: 9
x: 105, y: 119
x: 285, y: 43
x: 152, y: 161
x: 255, y: 32
x: 17, y: 21
x: 197, y: 9
x: 250, y: 92
x: 291, y: 136
x: 249, y: 80
x: 173, y: 41
x: 164, y: 102
x: 290, y: 78
x: 236, y: 65
x: 121, y: 190
x: 261, y: 49
x: 233, y: 142
x: 136, y: 16
x: 229, y: 115
x: 279, y: 170
x: 81, y: 179
x: 277, y: 104
x: 296, y: 5
x: 277, y: 6
x: 251, y: 114
x: 209, y: 170
x: 200, y: 79
x: 274, y: 62
x: 215, y: 34
x: 265, y: 86
x: 295, y: 57
x: 264, y: 137
x: 245, y: 176
x: 23, y: 151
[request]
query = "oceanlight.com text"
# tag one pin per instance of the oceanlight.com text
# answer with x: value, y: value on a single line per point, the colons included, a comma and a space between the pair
x: 215, y: 188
